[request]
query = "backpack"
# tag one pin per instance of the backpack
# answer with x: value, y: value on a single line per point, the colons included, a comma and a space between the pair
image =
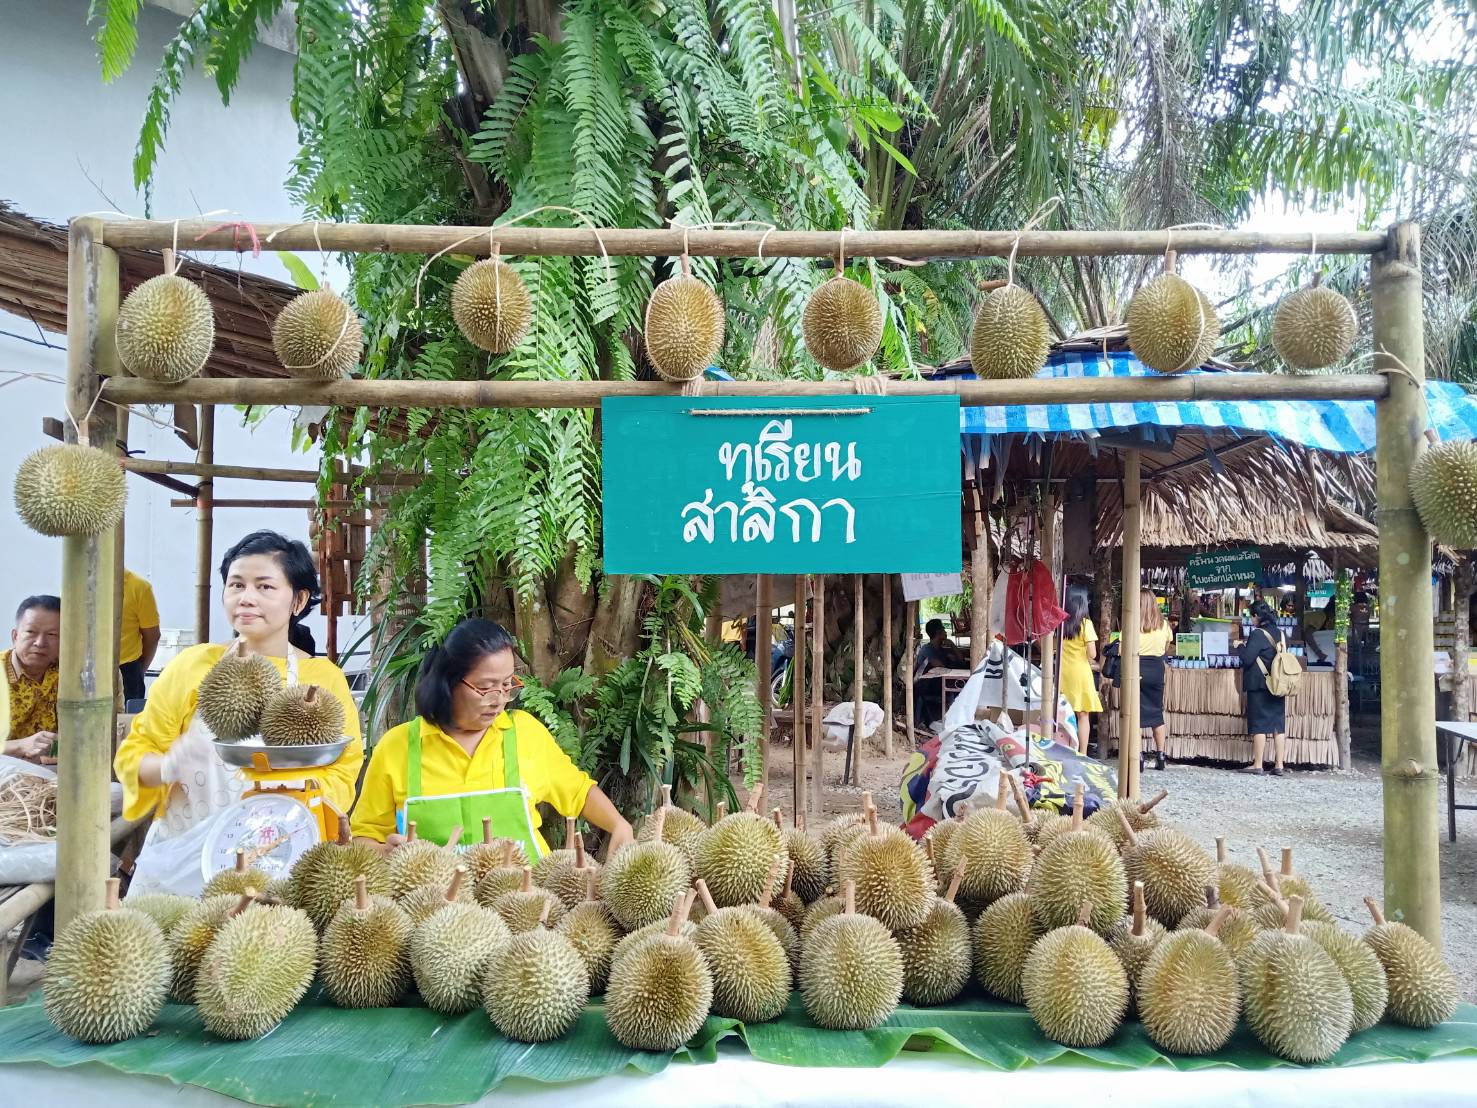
x: 1286, y: 675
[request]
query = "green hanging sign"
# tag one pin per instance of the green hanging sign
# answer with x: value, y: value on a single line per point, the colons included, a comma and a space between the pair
x: 836, y: 484
x: 1224, y: 569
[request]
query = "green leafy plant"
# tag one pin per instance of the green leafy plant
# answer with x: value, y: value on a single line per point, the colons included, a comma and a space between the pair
x: 556, y: 703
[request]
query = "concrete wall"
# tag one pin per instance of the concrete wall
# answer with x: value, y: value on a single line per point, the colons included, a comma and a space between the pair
x: 69, y: 142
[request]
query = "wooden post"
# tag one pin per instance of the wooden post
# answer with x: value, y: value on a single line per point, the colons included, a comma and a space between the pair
x: 1128, y: 621
x: 85, y: 694
x: 1461, y: 649
x: 763, y: 643
x: 980, y: 581
x: 1343, y: 734
x: 1407, y: 639
x: 887, y: 669
x: 1047, y: 644
x: 205, y: 530
x: 713, y: 635
x: 121, y: 437
x: 909, y: 650
x: 818, y: 695
x: 858, y: 668
x: 801, y: 799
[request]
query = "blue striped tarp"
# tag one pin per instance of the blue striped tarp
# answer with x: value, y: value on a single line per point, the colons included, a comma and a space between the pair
x: 1340, y: 426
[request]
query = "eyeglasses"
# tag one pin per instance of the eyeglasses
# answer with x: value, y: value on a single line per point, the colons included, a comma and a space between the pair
x: 505, y: 688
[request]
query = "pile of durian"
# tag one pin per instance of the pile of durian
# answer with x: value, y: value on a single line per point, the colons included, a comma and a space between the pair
x: 242, y: 697
x: 1082, y: 921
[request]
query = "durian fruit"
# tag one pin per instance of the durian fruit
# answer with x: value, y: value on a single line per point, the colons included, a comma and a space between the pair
x: 1314, y: 327
x: 1237, y: 927
x: 568, y: 882
x: 679, y: 827
x: 318, y: 336
x: 492, y: 853
x: 733, y: 856
x: 1010, y: 338
x: 1003, y: 937
x: 937, y: 837
x: 842, y: 324
x: 537, y: 986
x: 70, y: 490
x: 236, y: 880
x: 894, y: 882
x: 1140, y: 816
x: 1423, y: 990
x: 278, y: 891
x: 840, y: 829
x: 1368, y: 986
x: 555, y: 863
x: 593, y: 932
x: 491, y: 306
x: 1276, y: 887
x: 1046, y: 827
x: 506, y: 878
x: 998, y: 851
x: 1074, y: 985
x: 1172, y: 326
x: 630, y: 942
x: 323, y: 878
x: 641, y: 880
x: 777, y: 922
x: 166, y: 328
x: 1133, y: 941
x: 1173, y: 868
x: 522, y: 910
x: 809, y: 872
x: 823, y: 909
x: 660, y: 992
x: 257, y: 969
x: 937, y: 955
x: 450, y: 951
x: 684, y: 326
x: 418, y: 861
x: 1076, y: 868
x: 1237, y: 885
x: 789, y: 905
x: 751, y: 972
x: 851, y: 977
x: 366, y: 951
x: 1443, y: 484
x: 1296, y: 1000
x: 234, y: 692
x: 107, y: 975
x: 425, y: 901
x: 191, y: 938
x: 302, y: 715
x: 165, y: 909
x: 1188, y: 994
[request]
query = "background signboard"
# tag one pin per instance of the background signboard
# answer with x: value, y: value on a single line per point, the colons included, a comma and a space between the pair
x: 1224, y: 569
x: 921, y: 586
x: 836, y: 484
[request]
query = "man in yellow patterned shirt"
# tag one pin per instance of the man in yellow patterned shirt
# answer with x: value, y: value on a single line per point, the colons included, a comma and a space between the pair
x: 29, y: 671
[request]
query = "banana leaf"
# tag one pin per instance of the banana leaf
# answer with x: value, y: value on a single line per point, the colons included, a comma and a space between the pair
x: 411, y: 1055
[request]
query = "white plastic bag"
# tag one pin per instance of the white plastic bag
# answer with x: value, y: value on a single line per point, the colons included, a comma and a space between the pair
x: 838, y: 723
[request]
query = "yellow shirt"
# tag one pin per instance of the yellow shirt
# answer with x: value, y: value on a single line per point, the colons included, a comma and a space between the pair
x: 32, y: 703
x: 171, y: 708
x: 447, y: 769
x: 1155, y: 644
x: 139, y: 611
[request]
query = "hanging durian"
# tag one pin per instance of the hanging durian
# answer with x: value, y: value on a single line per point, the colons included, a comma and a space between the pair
x: 1314, y: 327
x: 70, y: 490
x: 842, y: 323
x: 1172, y: 326
x: 166, y: 327
x: 318, y: 336
x: 1443, y: 484
x: 1010, y: 338
x: 684, y: 326
x: 491, y: 306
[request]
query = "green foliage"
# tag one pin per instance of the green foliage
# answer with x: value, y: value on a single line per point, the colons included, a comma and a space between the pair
x: 555, y: 704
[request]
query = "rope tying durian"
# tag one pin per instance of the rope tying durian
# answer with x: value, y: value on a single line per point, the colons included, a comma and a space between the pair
x: 1041, y: 212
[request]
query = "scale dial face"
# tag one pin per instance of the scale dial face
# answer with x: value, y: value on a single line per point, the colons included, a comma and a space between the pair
x: 274, y: 830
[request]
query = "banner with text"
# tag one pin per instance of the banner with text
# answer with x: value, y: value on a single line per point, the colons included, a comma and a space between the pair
x: 1224, y: 569
x: 835, y: 484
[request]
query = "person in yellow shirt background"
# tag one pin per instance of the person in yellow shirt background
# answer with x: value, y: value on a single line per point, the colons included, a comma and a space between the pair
x: 30, y: 676
x: 138, y: 634
x: 167, y: 764
x: 470, y: 755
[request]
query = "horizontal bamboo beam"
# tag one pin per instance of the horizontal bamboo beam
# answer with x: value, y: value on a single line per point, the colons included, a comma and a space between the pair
x: 588, y: 394
x: 669, y: 242
x: 218, y: 502
x: 250, y: 473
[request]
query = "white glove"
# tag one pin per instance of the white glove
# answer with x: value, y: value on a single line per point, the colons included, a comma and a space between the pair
x: 188, y: 756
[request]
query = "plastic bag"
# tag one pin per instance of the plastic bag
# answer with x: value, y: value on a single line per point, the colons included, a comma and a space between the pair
x: 837, y: 723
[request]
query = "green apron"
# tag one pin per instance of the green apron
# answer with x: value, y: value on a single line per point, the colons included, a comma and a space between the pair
x: 436, y: 816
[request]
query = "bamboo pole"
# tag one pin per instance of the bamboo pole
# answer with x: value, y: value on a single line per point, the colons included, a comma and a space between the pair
x: 1128, y: 620
x: 1047, y: 644
x: 818, y: 695
x: 1343, y: 733
x: 909, y: 650
x: 1461, y: 647
x: 121, y: 438
x: 887, y: 670
x: 1407, y: 690
x: 288, y: 502
x: 801, y: 799
x: 980, y: 581
x: 205, y: 234
x: 250, y: 473
x: 205, y: 526
x: 858, y: 673
x: 349, y: 392
x: 763, y: 643
x: 85, y: 693
x: 713, y: 634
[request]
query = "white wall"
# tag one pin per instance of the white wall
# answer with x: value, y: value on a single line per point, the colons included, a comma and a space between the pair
x: 69, y: 142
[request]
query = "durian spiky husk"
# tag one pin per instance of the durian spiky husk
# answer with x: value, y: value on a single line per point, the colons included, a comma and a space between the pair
x: 1296, y: 1000
x: 894, y: 882
x: 257, y: 969
x: 302, y: 715
x: 1238, y: 927
x: 1422, y: 989
x: 640, y: 882
x: 1075, y: 987
x: 190, y: 939
x: 536, y: 987
x: 1443, y: 484
x: 684, y: 328
x: 70, y: 490
x: 423, y: 901
x: 318, y: 336
x: 811, y: 873
x: 419, y: 862
x: 107, y: 976
x: 842, y: 324
x: 659, y: 993
x: 1188, y: 995
x: 1003, y: 936
x: 165, y: 909
x: 366, y: 954
x: 998, y: 851
x: 679, y: 827
x: 593, y: 932
x: 937, y: 955
x: 851, y: 974
x: 491, y: 305
x: 1361, y: 968
x: 1314, y: 327
x: 234, y: 882
x: 166, y: 329
x: 1076, y: 868
x: 521, y: 910
x: 751, y: 973
x: 1010, y: 338
x: 449, y: 953
x: 324, y: 877
x: 234, y: 692
x: 734, y: 857
x: 1133, y: 950
x: 1174, y: 870
x: 1172, y: 326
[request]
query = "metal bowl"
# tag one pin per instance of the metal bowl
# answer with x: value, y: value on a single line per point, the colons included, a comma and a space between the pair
x: 255, y: 755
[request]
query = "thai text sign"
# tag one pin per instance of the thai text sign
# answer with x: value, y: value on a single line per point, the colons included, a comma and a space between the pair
x: 863, y: 484
x: 1224, y: 569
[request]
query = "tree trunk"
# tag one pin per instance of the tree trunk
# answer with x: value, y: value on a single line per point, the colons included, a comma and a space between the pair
x: 616, y: 628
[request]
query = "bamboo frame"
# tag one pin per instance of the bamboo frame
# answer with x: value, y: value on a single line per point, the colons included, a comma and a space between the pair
x: 801, y: 798
x: 858, y: 676
x: 980, y: 585
x: 818, y: 696
x: 909, y: 650
x: 1129, y: 739
x: 205, y: 527
x: 1047, y: 643
x: 887, y: 665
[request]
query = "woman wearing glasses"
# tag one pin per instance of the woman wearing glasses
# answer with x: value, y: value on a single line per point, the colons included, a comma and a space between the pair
x: 469, y: 756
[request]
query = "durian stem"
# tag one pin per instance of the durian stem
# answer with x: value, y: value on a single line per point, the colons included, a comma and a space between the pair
x: 1220, y: 849
x: 1079, y: 798
x: 1268, y: 874
x: 1294, y: 914
x: 789, y: 879
x: 1214, y: 926
x: 568, y: 832
x: 800, y: 822
x: 1084, y: 914
x: 361, y: 892
x: 1287, y: 861
x: 680, y: 907
x: 507, y: 855
x: 244, y: 902
x: 111, y: 897
x: 527, y: 886
x: 702, y: 891
x: 658, y: 824
x: 1140, y: 912
x: 1000, y: 791
x: 755, y: 797
x: 779, y: 818
x: 1374, y: 910
x: 848, y: 898
x: 666, y: 796
x: 345, y: 833
x: 1148, y: 806
x: 1274, y: 895
x: 240, y: 860
x: 956, y: 878
x: 579, y: 851
x: 1128, y: 832
x: 872, y: 831
x: 455, y: 837
x: 1170, y: 257
x: 774, y: 872
x: 543, y: 916
x: 410, y: 832
x: 1212, y: 897
x: 720, y: 810
x: 1023, y: 806
x: 486, y: 830
x: 928, y: 850
x: 460, y: 873
x: 591, y: 892
x: 311, y: 696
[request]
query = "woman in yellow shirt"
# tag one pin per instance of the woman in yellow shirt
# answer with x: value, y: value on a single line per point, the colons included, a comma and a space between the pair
x: 167, y: 764
x: 1154, y: 640
x: 1079, y: 657
x: 470, y: 755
